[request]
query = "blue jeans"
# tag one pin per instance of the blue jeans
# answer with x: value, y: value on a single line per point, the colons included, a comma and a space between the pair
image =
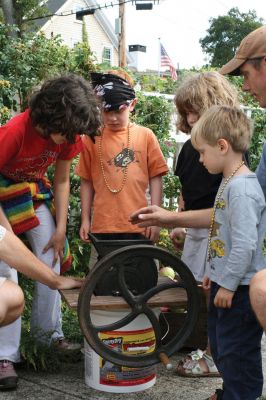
x: 235, y: 339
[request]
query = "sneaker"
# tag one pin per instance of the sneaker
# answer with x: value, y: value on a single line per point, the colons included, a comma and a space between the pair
x: 8, y: 376
x: 63, y: 345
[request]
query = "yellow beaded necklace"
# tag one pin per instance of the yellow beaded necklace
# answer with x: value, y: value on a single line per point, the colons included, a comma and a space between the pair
x: 115, y: 191
x: 218, y: 197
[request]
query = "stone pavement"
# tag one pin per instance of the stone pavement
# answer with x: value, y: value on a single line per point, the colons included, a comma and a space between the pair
x: 69, y: 384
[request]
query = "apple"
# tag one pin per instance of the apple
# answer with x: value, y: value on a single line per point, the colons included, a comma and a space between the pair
x: 167, y: 272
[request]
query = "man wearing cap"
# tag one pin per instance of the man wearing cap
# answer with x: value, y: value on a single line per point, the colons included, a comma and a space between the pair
x: 250, y: 61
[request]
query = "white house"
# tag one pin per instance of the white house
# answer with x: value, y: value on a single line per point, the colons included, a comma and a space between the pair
x: 102, y: 38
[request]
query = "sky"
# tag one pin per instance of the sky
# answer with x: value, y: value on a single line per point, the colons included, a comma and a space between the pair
x: 179, y: 24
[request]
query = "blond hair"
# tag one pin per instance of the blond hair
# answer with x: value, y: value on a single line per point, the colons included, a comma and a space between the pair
x: 122, y: 74
x: 223, y: 122
x: 201, y: 91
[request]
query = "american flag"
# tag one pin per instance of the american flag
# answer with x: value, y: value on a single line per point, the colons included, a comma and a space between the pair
x: 167, y: 62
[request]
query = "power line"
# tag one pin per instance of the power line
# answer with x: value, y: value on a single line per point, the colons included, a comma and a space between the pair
x: 85, y: 11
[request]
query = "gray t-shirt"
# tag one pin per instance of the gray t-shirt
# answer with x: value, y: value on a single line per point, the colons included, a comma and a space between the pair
x: 238, y: 233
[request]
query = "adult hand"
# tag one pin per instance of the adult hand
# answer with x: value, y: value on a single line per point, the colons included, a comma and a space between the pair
x: 66, y: 282
x: 152, y: 216
x: 223, y: 298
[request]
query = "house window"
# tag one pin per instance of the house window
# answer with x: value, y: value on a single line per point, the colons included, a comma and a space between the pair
x: 107, y: 55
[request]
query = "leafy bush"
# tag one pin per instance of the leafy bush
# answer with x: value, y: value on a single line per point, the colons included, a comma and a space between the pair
x: 79, y: 250
x: 38, y: 355
x: 156, y: 113
x: 154, y: 83
x: 259, y: 136
x: 258, y: 116
x: 39, y: 59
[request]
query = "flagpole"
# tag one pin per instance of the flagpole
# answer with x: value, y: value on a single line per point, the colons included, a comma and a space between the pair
x: 159, y: 57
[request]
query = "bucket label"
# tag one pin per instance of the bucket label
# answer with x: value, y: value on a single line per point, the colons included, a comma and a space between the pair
x: 127, y: 342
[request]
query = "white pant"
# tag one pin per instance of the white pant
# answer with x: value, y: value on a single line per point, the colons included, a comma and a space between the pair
x: 194, y: 253
x: 46, y: 306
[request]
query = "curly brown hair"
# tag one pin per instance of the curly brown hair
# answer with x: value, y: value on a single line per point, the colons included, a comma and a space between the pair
x: 201, y: 91
x: 65, y: 105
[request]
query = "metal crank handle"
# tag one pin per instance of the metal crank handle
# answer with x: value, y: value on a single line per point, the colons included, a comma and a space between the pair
x: 165, y: 361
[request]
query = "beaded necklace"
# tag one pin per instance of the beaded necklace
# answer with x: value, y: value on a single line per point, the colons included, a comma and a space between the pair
x: 215, y: 207
x: 112, y: 190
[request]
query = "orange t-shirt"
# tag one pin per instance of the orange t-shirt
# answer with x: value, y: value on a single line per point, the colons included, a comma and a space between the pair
x: 145, y: 161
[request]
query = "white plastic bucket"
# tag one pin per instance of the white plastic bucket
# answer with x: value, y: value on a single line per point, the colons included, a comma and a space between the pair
x: 135, y: 338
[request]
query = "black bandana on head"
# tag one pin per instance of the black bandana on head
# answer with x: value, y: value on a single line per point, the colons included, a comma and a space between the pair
x: 114, y: 91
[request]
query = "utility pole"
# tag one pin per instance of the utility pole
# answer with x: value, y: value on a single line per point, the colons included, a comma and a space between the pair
x: 122, y: 36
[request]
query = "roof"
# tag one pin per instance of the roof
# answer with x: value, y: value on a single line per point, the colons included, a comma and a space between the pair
x: 54, y: 7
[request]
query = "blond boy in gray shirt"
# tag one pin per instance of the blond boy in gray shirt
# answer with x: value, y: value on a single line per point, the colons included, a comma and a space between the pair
x: 237, y: 225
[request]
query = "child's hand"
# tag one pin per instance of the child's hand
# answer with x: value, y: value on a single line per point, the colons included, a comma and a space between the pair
x: 178, y: 236
x: 206, y: 283
x: 223, y: 298
x: 152, y: 233
x: 57, y: 241
x: 83, y: 232
x: 152, y: 216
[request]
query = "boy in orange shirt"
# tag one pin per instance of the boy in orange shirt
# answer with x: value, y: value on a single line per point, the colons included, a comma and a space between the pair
x: 123, y: 162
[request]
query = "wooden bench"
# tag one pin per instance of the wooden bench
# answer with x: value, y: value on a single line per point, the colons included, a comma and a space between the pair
x: 173, y: 300
x: 175, y: 297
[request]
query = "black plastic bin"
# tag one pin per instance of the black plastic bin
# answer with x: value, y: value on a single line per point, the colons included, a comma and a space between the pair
x: 107, y: 242
x: 140, y: 273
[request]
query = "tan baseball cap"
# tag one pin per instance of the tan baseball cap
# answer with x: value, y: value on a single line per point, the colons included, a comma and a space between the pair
x: 252, y: 46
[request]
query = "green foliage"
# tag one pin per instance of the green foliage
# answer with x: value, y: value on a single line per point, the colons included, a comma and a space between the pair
x: 6, y: 100
x: 258, y: 116
x: 166, y: 243
x: 171, y: 190
x: 259, y: 136
x: 154, y: 83
x: 70, y: 325
x: 156, y: 113
x: 225, y: 34
x: 38, y: 355
x: 25, y: 11
x: 85, y: 38
x: 39, y: 59
x: 80, y: 250
x: 244, y: 97
x: 35, y: 354
x: 80, y: 60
